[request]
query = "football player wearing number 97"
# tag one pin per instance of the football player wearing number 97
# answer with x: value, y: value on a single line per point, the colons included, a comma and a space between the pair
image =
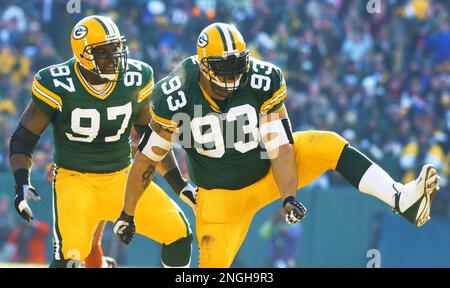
x: 92, y: 101
x: 229, y: 109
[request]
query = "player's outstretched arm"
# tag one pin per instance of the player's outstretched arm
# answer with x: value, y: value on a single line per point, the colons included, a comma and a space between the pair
x: 171, y: 172
x: 277, y: 137
x: 154, y: 146
x: 169, y: 162
x: 140, y: 177
x: 168, y: 167
x: 32, y: 123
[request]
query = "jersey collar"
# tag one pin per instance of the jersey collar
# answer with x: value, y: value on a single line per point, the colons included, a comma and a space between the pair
x: 211, y: 102
x: 98, y: 94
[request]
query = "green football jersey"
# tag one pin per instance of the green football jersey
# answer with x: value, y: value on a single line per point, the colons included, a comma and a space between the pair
x: 221, y: 138
x: 91, y: 129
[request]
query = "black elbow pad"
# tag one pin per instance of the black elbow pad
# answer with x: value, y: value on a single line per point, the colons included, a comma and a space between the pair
x: 22, y: 142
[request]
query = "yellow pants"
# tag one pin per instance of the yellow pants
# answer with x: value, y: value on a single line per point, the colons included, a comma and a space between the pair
x: 224, y: 216
x: 81, y: 200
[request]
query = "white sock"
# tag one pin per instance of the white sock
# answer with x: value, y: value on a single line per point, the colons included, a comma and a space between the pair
x: 378, y: 183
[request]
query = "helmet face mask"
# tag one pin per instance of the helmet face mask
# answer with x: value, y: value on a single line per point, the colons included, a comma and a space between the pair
x: 109, y: 58
x: 226, y: 74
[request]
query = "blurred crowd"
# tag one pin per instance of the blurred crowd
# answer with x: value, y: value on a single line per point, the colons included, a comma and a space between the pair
x: 283, y: 241
x: 21, y: 241
x: 377, y: 75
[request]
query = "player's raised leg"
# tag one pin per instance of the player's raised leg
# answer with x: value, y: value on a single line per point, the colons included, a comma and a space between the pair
x: 319, y: 151
x: 411, y: 200
x: 75, y: 207
x: 315, y: 153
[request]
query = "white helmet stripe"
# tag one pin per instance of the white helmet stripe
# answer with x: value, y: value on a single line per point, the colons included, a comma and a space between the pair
x: 109, y: 26
x: 113, y: 27
x: 226, y: 33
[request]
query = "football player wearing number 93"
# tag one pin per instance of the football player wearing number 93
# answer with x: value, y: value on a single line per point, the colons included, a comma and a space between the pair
x: 92, y: 101
x: 226, y: 94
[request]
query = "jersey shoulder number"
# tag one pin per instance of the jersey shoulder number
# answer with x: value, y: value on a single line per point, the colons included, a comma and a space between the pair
x: 269, y: 82
x: 140, y: 76
x: 51, y: 84
x: 170, y: 94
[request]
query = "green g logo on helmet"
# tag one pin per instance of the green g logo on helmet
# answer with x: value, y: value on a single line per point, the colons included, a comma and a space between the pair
x: 79, y: 32
x: 203, y: 40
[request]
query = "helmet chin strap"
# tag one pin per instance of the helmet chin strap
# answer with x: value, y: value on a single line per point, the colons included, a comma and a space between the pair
x: 107, y: 76
x: 110, y: 77
x: 229, y: 86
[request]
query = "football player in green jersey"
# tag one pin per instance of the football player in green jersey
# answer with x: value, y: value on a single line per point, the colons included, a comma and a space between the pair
x: 226, y: 109
x: 92, y: 101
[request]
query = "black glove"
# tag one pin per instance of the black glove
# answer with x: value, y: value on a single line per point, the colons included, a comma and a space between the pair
x: 124, y: 228
x: 24, y: 192
x: 184, y: 189
x: 189, y: 195
x: 295, y: 211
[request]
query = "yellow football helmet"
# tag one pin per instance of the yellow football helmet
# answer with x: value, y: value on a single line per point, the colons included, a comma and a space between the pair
x: 223, y: 57
x: 89, y: 38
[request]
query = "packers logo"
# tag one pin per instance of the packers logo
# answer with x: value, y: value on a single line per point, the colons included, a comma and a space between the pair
x: 203, y: 40
x: 79, y: 32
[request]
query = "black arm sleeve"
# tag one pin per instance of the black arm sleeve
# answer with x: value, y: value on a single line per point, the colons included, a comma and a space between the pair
x: 22, y: 142
x: 175, y: 180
